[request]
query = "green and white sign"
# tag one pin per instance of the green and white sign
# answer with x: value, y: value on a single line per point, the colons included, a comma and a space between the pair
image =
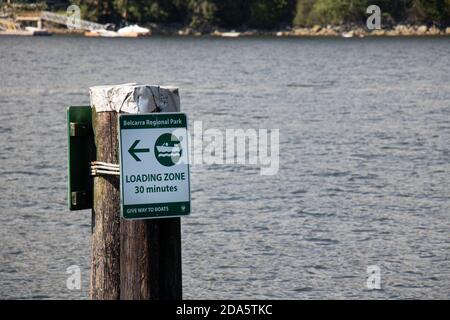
x: 154, y: 167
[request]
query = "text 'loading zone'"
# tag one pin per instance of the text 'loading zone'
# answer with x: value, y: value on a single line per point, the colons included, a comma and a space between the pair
x: 154, y: 176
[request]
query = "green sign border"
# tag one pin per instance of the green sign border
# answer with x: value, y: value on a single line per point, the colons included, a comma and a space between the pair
x: 174, y: 207
x: 161, y: 117
x: 174, y: 210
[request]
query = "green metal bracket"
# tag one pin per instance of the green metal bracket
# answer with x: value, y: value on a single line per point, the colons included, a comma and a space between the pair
x: 81, y: 153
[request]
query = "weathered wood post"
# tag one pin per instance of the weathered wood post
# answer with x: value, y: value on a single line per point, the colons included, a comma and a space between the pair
x: 105, y: 247
x: 130, y: 259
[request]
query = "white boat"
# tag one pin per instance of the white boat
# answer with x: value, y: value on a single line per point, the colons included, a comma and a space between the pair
x: 101, y: 33
x: 166, y: 148
x: 108, y: 33
x: 231, y: 34
x: 128, y: 32
x: 347, y: 34
x: 133, y: 31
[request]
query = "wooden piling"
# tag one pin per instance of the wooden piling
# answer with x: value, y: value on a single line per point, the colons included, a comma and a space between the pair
x: 131, y: 259
x: 150, y: 260
x: 105, y: 247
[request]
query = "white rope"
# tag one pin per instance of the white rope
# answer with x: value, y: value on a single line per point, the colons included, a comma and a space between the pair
x: 94, y: 163
x: 104, y: 168
x: 102, y: 172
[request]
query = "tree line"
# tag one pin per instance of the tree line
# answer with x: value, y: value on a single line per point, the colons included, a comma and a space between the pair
x: 262, y: 14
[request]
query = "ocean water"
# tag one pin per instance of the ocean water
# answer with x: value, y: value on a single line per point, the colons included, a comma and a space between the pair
x: 364, y: 163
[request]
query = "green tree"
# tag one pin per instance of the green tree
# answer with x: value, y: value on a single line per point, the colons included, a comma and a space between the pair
x: 101, y: 11
x: 428, y: 11
x: 302, y: 12
x: 270, y: 13
x: 338, y: 11
x: 202, y: 13
x: 232, y: 13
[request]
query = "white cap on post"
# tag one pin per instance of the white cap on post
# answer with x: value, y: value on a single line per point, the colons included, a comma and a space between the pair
x: 135, y: 98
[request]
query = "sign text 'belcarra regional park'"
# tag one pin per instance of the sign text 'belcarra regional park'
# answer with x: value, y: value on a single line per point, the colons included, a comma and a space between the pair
x: 154, y: 167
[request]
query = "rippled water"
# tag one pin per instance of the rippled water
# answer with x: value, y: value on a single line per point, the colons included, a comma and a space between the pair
x: 364, y: 169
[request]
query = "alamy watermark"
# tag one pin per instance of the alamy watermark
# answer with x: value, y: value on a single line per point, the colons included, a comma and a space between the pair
x: 73, y: 17
x: 374, y: 278
x: 253, y: 147
x: 73, y: 281
x: 374, y: 20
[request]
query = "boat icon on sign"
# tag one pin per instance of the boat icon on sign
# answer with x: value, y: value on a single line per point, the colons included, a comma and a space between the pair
x: 165, y: 148
x: 168, y: 149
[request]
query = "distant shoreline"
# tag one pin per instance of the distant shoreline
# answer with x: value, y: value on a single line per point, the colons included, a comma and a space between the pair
x: 315, y: 31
